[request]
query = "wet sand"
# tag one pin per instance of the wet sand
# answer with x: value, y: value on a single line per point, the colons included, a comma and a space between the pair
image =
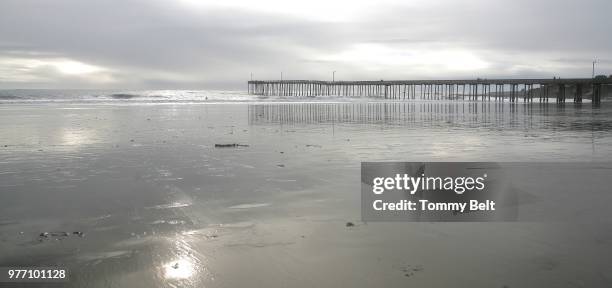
x: 160, y: 205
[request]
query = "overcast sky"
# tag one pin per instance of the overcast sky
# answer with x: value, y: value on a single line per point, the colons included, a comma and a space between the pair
x: 191, y: 44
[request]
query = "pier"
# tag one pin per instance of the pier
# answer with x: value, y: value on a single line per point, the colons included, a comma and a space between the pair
x: 476, y: 90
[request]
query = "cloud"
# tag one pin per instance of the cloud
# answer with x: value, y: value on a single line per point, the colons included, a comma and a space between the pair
x: 213, y: 44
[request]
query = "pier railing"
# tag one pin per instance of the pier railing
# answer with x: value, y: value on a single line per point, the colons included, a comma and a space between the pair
x: 478, y: 89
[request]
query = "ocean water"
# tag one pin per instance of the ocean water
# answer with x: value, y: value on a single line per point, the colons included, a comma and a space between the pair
x: 159, y: 205
x: 137, y: 96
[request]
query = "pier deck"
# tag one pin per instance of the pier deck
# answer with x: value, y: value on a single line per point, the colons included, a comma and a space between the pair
x: 477, y: 89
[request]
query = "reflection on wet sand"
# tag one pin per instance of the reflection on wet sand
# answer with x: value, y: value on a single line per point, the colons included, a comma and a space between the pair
x: 178, y: 269
x: 431, y: 114
x: 185, y: 267
x: 161, y: 206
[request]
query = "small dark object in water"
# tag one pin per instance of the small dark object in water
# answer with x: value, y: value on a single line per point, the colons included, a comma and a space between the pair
x: 44, y: 234
x: 131, y: 140
x: 313, y: 145
x: 233, y: 145
x: 350, y: 224
x: 281, y: 165
x: 176, y: 265
x: 78, y: 233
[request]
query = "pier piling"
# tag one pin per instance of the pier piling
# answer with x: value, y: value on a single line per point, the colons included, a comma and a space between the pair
x: 473, y: 90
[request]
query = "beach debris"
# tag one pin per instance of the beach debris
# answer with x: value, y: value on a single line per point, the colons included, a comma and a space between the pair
x: 123, y: 96
x: 350, y: 224
x: 231, y: 145
x: 47, y: 235
x: 409, y: 270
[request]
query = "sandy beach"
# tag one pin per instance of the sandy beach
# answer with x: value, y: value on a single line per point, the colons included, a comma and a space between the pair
x: 147, y: 200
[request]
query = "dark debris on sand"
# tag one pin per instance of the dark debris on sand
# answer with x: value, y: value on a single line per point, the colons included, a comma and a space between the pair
x: 409, y: 270
x: 58, y: 235
x: 232, y: 145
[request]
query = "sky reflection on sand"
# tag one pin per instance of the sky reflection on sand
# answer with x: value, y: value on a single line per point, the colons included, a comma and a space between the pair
x: 185, y: 268
x: 178, y: 269
x: 179, y: 212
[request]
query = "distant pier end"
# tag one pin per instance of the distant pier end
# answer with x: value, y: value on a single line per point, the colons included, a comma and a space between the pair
x: 479, y: 89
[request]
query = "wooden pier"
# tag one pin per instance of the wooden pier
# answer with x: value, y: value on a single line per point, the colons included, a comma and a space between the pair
x: 476, y: 90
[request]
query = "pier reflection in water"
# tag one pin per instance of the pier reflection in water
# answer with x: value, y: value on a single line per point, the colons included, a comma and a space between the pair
x: 493, y: 115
